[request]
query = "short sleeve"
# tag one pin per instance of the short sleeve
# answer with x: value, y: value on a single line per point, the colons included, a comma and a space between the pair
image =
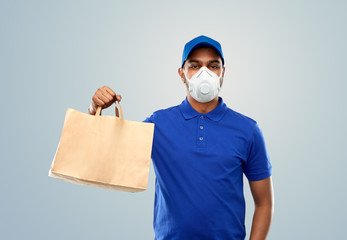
x: 150, y: 119
x: 257, y: 166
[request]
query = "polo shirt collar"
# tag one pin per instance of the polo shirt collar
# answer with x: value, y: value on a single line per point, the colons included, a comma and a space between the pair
x: 216, y: 114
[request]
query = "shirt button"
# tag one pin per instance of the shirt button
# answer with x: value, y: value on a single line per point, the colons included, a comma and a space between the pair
x: 201, y: 127
x: 201, y: 138
x: 201, y: 117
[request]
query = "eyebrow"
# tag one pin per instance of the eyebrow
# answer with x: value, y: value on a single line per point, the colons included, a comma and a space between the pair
x: 214, y: 61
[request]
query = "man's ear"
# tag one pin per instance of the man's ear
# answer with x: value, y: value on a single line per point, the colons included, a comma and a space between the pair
x: 181, y: 74
x: 222, y: 78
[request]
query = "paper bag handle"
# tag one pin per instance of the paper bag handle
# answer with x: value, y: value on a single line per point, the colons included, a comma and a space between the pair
x: 98, y: 110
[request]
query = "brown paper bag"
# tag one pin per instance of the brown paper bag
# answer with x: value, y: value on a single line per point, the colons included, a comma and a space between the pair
x: 104, y: 151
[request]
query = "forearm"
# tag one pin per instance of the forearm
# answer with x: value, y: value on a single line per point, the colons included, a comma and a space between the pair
x: 261, y: 222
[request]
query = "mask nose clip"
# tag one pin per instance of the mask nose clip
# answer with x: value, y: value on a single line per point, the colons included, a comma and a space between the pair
x: 204, y: 73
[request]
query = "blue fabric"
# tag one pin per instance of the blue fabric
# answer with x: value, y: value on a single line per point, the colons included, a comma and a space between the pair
x: 201, y: 41
x: 199, y: 161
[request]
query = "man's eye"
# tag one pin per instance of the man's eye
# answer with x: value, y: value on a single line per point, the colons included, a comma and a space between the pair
x: 194, y: 66
x: 214, y: 66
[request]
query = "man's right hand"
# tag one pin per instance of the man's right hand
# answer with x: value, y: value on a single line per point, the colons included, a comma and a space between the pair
x: 103, y: 97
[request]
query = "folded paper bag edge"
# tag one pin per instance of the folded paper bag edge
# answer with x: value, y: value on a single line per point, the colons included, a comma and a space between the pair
x: 93, y: 183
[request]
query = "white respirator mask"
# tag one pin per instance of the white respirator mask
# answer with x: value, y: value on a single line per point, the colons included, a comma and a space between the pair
x: 204, y: 85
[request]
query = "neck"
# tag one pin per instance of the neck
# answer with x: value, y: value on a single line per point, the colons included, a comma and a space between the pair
x: 202, y: 107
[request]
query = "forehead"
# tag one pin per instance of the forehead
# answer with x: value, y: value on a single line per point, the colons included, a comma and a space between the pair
x: 204, y: 53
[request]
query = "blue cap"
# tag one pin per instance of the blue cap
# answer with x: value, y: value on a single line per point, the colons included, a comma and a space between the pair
x: 201, y: 41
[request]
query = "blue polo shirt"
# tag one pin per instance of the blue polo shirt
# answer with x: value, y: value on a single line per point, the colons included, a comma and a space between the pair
x: 199, y: 161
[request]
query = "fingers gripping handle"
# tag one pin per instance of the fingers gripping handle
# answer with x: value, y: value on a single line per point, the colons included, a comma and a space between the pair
x: 98, y: 110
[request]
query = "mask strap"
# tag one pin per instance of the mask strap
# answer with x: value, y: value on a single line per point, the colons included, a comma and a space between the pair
x: 220, y: 75
x: 185, y: 75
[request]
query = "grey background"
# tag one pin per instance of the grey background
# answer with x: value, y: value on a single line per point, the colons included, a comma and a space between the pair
x: 285, y: 68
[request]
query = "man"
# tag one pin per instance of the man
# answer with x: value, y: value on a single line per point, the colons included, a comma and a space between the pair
x: 201, y: 149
